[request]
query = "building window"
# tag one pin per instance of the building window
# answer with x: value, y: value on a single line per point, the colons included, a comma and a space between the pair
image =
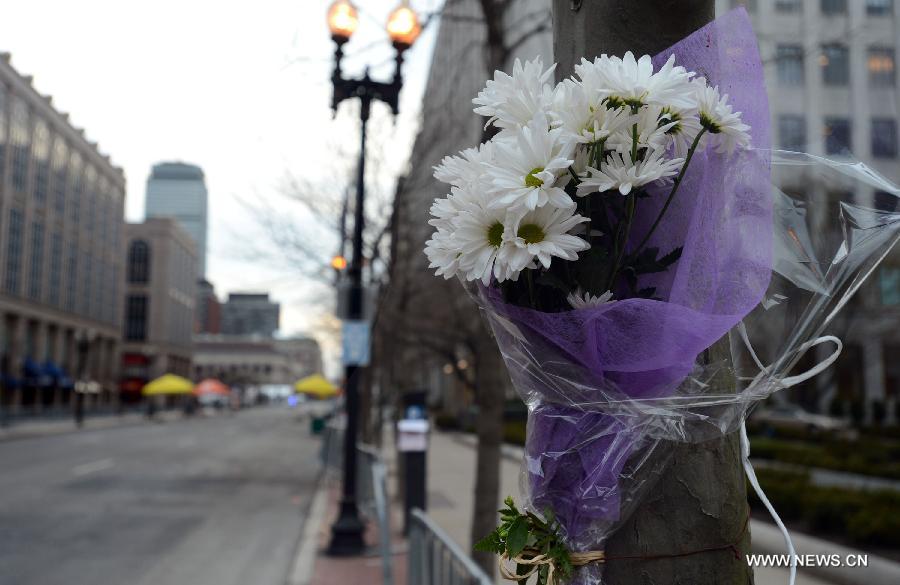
x: 76, y: 178
x: 789, y: 59
x: 788, y: 5
x: 87, y: 290
x: 136, y: 318
x: 72, y: 280
x: 55, y: 268
x: 792, y: 132
x: 19, y: 139
x: 884, y: 138
x: 3, y: 131
x: 58, y: 164
x: 139, y: 262
x: 835, y: 62
x: 837, y: 136
x: 37, y: 261
x: 879, y: 7
x: 750, y: 5
x: 885, y: 201
x: 14, y: 252
x: 41, y: 154
x: 890, y: 286
x: 881, y: 66
x: 831, y: 7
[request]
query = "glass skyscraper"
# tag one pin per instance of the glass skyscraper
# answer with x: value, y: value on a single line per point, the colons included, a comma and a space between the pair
x: 178, y: 190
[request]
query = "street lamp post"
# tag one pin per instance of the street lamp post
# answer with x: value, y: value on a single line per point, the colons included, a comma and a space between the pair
x: 403, y: 28
x: 83, y: 344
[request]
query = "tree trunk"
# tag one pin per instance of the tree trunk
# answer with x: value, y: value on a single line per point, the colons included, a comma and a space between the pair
x: 490, y: 378
x: 700, y: 501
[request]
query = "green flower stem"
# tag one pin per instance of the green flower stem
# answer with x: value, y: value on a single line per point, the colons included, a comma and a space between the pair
x: 672, y: 193
x: 631, y: 203
x: 530, y: 281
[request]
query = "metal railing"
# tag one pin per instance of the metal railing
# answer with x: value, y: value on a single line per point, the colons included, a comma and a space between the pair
x: 371, y: 487
x: 435, y: 559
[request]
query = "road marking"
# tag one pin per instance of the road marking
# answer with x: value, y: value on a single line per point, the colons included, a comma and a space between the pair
x: 92, y: 467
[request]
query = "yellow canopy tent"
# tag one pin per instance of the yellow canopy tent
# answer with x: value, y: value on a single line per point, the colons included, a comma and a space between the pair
x: 168, y: 384
x: 316, y: 385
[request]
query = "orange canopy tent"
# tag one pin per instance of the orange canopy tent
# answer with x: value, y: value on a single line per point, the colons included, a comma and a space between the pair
x: 211, y: 386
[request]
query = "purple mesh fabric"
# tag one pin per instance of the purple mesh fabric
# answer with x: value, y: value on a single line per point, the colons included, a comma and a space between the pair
x: 637, y: 348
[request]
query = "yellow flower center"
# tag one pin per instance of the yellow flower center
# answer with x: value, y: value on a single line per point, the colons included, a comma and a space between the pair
x: 531, y: 233
x: 495, y: 234
x: 531, y: 180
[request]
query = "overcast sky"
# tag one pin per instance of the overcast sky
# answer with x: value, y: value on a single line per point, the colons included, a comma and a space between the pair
x: 241, y: 89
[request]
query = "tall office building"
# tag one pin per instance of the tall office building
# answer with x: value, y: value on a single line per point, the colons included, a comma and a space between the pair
x: 178, y: 190
x: 61, y: 216
x: 250, y: 314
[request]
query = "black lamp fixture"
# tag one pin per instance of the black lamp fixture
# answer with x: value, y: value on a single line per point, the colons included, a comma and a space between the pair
x: 403, y: 28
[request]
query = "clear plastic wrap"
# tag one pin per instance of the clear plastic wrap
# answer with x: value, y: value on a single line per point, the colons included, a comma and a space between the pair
x: 595, y: 437
x: 762, y: 274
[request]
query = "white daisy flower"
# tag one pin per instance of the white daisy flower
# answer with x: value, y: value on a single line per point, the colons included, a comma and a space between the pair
x: 466, y: 168
x: 443, y: 254
x: 510, y: 102
x: 584, y: 300
x: 445, y: 210
x: 725, y: 129
x: 527, y: 171
x: 652, y: 132
x: 633, y: 82
x: 541, y: 234
x: 584, y: 120
x: 685, y: 127
x: 479, y: 238
x: 619, y: 173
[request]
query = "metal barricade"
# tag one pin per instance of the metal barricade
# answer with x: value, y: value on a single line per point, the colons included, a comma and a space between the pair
x: 435, y: 559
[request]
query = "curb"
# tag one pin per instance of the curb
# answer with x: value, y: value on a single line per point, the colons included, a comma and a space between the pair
x: 301, y: 571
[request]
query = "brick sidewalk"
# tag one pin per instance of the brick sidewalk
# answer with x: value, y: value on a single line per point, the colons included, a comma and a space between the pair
x: 362, y: 570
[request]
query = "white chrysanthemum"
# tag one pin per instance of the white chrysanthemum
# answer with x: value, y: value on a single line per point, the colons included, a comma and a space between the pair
x: 443, y: 254
x: 445, y: 210
x: 479, y: 237
x: 652, y: 132
x: 684, y: 128
x: 511, y: 101
x: 725, y: 129
x: 584, y: 300
x: 633, y: 81
x: 619, y: 173
x: 467, y: 168
x: 582, y: 119
x: 542, y: 234
x: 526, y: 171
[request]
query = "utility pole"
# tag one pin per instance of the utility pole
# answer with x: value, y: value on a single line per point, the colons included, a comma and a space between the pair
x: 700, y: 502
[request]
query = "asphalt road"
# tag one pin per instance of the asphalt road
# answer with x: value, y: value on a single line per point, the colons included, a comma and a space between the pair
x: 195, y: 502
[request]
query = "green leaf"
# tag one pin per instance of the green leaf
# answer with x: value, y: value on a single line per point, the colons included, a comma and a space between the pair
x: 490, y: 543
x: 517, y: 537
x: 593, y: 270
x: 672, y: 256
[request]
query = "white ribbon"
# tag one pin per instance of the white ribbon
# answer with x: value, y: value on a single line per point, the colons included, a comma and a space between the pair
x: 745, y: 441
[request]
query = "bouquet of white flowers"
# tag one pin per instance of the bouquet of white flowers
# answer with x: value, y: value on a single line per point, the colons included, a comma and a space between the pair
x: 616, y: 227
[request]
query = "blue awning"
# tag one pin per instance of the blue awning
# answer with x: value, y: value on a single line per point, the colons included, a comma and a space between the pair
x: 31, y: 369
x: 52, y: 370
x: 10, y: 382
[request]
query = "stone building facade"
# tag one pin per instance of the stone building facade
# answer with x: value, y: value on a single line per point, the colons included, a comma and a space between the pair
x: 160, y: 293
x: 61, y: 216
x: 831, y: 71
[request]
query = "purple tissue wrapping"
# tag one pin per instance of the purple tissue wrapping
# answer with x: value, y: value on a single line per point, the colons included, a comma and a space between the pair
x: 639, y: 348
